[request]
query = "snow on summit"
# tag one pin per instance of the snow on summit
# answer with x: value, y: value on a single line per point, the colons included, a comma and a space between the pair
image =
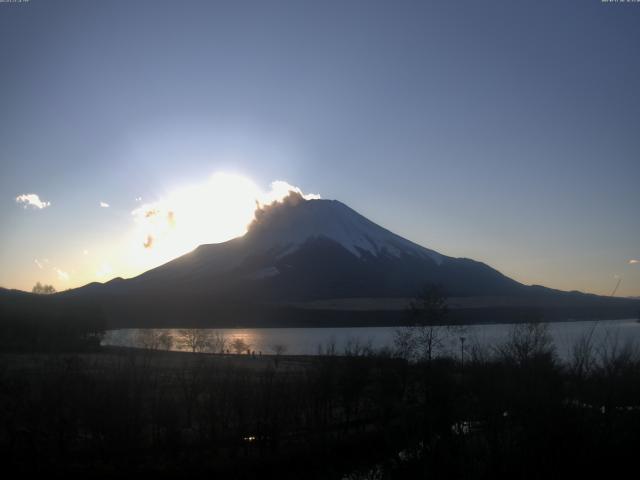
x: 295, y: 220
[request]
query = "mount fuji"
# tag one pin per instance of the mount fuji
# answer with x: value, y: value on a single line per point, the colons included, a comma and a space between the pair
x: 303, y: 261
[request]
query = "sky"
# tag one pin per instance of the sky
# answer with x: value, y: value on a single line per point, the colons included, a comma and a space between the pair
x: 503, y: 131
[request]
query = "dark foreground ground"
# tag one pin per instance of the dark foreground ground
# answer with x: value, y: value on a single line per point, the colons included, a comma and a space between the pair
x: 513, y: 412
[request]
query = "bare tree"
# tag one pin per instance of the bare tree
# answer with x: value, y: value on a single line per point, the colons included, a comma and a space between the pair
x: 195, y: 339
x: 616, y: 354
x: 217, y: 342
x: 404, y: 341
x: 354, y: 347
x: 329, y: 349
x: 239, y: 345
x: 166, y: 340
x: 153, y: 339
x: 148, y: 338
x: 527, y: 342
x: 582, y: 355
x: 428, y: 311
x: 278, y: 349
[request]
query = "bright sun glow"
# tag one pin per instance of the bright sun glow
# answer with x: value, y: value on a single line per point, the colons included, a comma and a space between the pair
x: 215, y: 211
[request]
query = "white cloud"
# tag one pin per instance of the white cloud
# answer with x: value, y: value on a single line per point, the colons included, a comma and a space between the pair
x: 85, y: 252
x: 104, y: 205
x: 32, y: 200
x: 38, y: 263
x: 281, y: 189
x: 633, y: 261
x: 62, y: 275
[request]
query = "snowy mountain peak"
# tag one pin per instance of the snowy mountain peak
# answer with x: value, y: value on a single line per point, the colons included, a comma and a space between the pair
x: 298, y: 250
x: 292, y: 222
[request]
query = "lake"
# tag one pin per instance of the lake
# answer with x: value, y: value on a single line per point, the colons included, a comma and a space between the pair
x: 308, y: 341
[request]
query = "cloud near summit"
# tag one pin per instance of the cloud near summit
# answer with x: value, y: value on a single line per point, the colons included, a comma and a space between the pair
x: 210, y: 212
x: 281, y: 189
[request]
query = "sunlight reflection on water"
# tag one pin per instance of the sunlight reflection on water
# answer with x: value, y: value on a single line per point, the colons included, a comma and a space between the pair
x: 307, y: 341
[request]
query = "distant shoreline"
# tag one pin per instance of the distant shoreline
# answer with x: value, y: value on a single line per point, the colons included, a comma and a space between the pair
x: 445, y: 324
x: 289, y: 317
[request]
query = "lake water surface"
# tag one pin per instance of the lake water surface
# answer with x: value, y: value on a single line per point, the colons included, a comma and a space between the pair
x: 307, y: 341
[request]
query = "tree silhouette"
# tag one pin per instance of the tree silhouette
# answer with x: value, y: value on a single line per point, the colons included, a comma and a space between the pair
x: 429, y: 311
x: 194, y: 339
x: 278, y: 349
x: 527, y: 342
x: 43, y: 289
x: 166, y: 340
x: 239, y: 345
x: 217, y: 342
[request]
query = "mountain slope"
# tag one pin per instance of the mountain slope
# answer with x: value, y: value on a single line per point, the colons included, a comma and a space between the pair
x: 308, y: 249
x: 302, y: 251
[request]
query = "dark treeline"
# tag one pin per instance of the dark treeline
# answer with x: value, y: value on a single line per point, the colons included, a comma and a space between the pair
x: 513, y: 411
x: 47, y: 323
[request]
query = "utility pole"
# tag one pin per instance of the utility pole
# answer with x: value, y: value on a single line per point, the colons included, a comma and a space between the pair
x: 617, y: 285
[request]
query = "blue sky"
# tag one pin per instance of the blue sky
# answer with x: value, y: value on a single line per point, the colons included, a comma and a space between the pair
x: 502, y: 131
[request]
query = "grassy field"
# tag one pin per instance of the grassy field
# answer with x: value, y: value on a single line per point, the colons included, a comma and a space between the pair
x: 516, y: 412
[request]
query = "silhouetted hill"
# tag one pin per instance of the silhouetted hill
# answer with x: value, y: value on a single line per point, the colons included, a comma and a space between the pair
x: 300, y: 252
x: 32, y: 322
